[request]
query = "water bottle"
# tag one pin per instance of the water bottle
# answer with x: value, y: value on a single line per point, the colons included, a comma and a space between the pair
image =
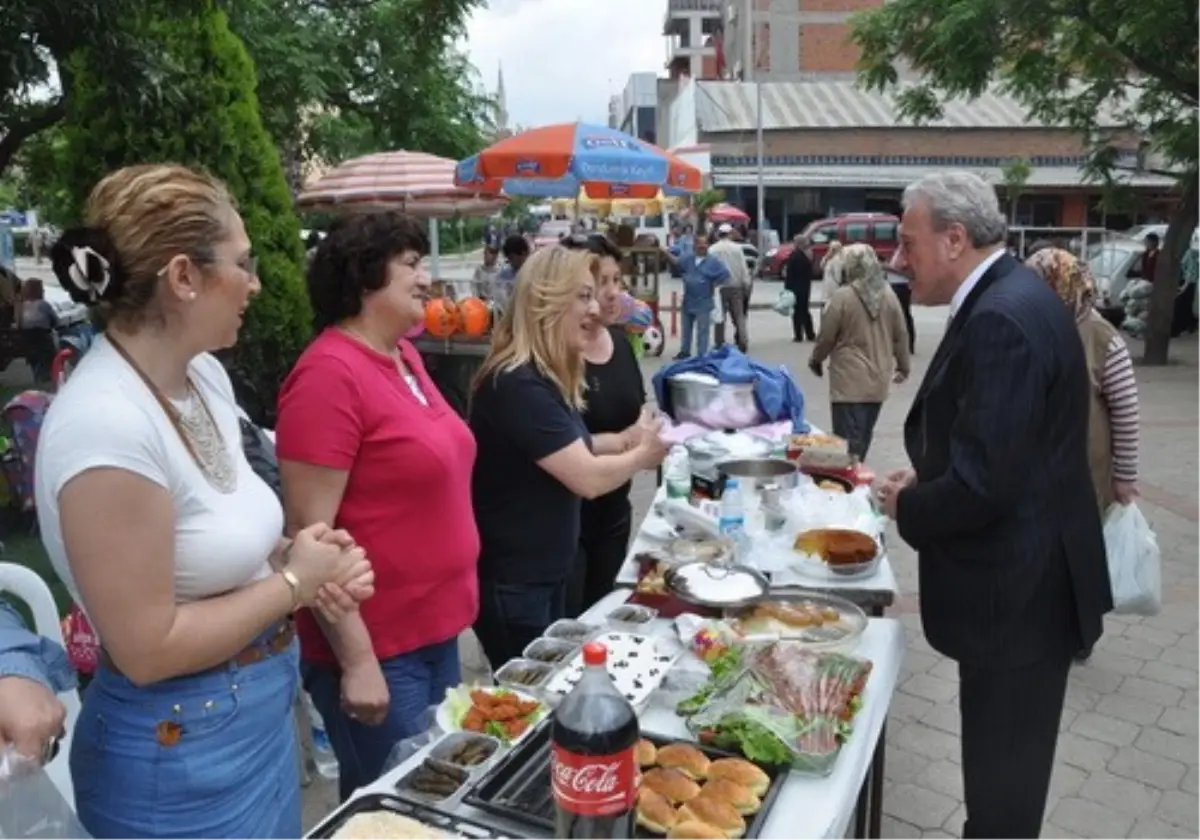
x: 732, y: 519
x: 323, y: 757
x: 678, y: 474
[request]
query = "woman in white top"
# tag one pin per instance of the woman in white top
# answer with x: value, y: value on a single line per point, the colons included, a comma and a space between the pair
x: 170, y: 542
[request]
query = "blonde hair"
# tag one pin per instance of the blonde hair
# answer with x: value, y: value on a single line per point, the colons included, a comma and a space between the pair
x: 546, y: 288
x: 152, y: 213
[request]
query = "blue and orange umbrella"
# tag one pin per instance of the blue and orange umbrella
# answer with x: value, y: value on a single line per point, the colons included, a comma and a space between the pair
x: 559, y: 160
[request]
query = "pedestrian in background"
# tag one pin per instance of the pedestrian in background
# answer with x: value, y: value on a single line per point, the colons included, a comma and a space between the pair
x: 798, y: 280
x: 734, y: 293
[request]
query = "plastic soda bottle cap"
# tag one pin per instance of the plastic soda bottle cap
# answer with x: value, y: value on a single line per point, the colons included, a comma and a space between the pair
x: 594, y: 653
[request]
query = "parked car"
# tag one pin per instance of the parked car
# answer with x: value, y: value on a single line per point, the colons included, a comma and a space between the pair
x: 1114, y: 264
x: 880, y: 230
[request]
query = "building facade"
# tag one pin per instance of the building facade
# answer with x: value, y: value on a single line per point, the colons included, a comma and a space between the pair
x: 692, y: 29
x: 790, y: 40
x: 832, y: 148
x: 637, y: 106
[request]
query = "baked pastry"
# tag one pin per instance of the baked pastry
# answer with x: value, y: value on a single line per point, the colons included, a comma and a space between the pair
x: 645, y: 752
x: 727, y: 790
x: 692, y: 830
x: 743, y: 772
x: 655, y: 813
x: 714, y: 812
x: 671, y: 783
x: 837, y: 546
x: 684, y: 758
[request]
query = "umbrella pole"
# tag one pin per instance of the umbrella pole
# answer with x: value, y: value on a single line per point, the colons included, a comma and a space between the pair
x: 434, y: 250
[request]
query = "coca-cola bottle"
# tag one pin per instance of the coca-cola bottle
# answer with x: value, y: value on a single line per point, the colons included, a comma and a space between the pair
x: 593, y: 770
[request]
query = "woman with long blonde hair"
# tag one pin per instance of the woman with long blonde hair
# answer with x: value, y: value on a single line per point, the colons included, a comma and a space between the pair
x: 536, y: 459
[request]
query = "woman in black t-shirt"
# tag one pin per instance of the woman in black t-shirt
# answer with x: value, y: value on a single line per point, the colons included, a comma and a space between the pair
x: 616, y: 395
x: 536, y: 458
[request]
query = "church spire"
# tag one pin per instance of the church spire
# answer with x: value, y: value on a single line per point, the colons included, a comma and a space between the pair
x: 501, y: 103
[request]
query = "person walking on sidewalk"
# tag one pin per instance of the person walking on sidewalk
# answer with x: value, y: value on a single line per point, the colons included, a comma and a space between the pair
x: 798, y: 280
x: 863, y: 336
x: 735, y: 293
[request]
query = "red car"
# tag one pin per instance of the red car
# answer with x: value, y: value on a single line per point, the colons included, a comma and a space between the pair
x: 877, y: 229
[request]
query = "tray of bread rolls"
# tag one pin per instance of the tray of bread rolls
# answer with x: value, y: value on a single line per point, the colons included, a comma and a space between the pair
x: 687, y: 789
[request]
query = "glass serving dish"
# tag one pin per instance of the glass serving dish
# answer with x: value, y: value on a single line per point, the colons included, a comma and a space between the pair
x: 818, y: 620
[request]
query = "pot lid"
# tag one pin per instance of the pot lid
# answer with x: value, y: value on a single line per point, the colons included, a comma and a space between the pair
x: 729, y: 445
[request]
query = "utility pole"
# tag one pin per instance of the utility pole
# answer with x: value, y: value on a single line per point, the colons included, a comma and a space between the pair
x: 751, y: 60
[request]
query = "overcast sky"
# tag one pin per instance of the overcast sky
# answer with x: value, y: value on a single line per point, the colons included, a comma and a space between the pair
x: 563, y: 59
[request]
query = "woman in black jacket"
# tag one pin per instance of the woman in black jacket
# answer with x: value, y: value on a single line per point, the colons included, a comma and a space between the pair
x: 798, y: 280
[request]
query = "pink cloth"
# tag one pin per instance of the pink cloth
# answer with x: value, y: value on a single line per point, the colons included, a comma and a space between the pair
x: 673, y: 433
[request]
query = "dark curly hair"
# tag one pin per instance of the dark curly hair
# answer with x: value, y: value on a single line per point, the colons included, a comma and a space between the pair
x: 352, y: 261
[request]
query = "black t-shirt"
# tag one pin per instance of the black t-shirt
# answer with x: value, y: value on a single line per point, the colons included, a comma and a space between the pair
x: 615, y: 396
x: 528, y: 520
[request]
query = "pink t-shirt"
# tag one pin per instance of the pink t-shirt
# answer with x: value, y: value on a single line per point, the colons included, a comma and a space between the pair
x: 408, y: 496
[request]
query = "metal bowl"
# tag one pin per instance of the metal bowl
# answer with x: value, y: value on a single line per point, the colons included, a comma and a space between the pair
x: 761, y: 473
x: 681, y: 580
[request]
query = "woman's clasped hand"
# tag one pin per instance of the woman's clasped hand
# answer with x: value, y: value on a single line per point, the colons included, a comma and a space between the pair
x: 332, y: 572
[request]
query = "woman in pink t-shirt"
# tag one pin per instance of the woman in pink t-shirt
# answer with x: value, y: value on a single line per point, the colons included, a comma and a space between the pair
x: 365, y: 440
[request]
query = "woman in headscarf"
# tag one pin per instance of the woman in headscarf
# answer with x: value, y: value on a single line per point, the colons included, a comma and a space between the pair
x: 864, y: 337
x: 1113, y: 415
x: 1113, y: 419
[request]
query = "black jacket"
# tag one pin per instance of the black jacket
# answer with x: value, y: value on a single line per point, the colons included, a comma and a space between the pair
x: 1011, y: 554
x: 799, y: 272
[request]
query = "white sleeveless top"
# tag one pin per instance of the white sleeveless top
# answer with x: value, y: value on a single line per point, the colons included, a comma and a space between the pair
x: 106, y: 416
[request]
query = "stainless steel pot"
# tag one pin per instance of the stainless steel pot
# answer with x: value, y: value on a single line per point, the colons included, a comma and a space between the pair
x: 707, y: 452
x: 761, y: 473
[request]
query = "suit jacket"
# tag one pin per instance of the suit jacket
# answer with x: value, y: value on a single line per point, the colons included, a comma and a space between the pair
x: 1011, y: 553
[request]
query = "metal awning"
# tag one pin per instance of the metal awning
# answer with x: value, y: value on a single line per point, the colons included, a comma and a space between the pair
x: 898, y: 177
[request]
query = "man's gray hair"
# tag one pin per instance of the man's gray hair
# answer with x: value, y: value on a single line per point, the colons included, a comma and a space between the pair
x: 963, y: 198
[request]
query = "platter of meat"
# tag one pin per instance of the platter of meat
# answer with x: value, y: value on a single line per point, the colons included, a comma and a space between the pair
x: 789, y: 704
x: 504, y: 714
x: 819, y: 620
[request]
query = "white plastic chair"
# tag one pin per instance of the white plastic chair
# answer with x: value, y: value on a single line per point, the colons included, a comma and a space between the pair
x: 31, y: 589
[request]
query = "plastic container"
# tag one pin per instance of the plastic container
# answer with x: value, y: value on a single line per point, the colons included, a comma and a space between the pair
x: 570, y: 630
x: 550, y: 651
x: 448, y: 749
x: 632, y: 618
x: 524, y: 675
x: 699, y: 398
x: 413, y: 783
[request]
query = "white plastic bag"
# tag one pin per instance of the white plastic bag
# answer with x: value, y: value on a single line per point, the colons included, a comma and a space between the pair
x: 30, y: 805
x: 1133, y: 561
x: 785, y: 302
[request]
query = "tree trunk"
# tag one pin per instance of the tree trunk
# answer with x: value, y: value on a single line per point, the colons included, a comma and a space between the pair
x: 1166, y: 275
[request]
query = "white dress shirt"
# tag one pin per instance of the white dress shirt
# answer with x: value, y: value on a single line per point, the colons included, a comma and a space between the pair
x: 734, y: 258
x: 973, y: 278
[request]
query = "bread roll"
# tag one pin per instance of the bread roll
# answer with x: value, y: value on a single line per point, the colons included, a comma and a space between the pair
x: 695, y: 831
x: 714, y: 812
x: 655, y: 813
x: 685, y: 758
x: 739, y: 796
x: 646, y: 753
x: 671, y: 783
x: 741, y: 771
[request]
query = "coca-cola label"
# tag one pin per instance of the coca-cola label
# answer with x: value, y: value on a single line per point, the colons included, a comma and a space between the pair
x: 593, y: 785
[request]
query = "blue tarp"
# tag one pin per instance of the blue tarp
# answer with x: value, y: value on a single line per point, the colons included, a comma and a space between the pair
x: 775, y: 391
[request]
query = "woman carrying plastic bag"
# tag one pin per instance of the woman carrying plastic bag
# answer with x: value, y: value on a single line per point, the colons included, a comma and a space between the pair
x: 1133, y: 561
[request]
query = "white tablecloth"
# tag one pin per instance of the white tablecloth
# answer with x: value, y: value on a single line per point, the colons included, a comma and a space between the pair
x: 805, y: 807
x: 884, y: 579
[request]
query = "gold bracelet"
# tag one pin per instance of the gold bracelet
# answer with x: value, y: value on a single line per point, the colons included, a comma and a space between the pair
x: 293, y: 582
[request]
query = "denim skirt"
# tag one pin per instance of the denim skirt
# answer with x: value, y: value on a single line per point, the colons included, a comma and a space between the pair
x: 207, y: 755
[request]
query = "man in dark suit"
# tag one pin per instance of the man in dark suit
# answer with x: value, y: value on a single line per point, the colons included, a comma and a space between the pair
x: 998, y: 503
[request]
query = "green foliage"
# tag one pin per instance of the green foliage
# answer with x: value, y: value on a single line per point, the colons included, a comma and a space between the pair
x: 388, y: 76
x: 1098, y: 67
x: 211, y: 121
x: 1016, y: 174
x: 706, y: 200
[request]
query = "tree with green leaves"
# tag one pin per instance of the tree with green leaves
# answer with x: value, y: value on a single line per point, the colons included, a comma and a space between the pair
x: 388, y: 75
x: 37, y: 37
x: 1082, y: 64
x: 209, y: 120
